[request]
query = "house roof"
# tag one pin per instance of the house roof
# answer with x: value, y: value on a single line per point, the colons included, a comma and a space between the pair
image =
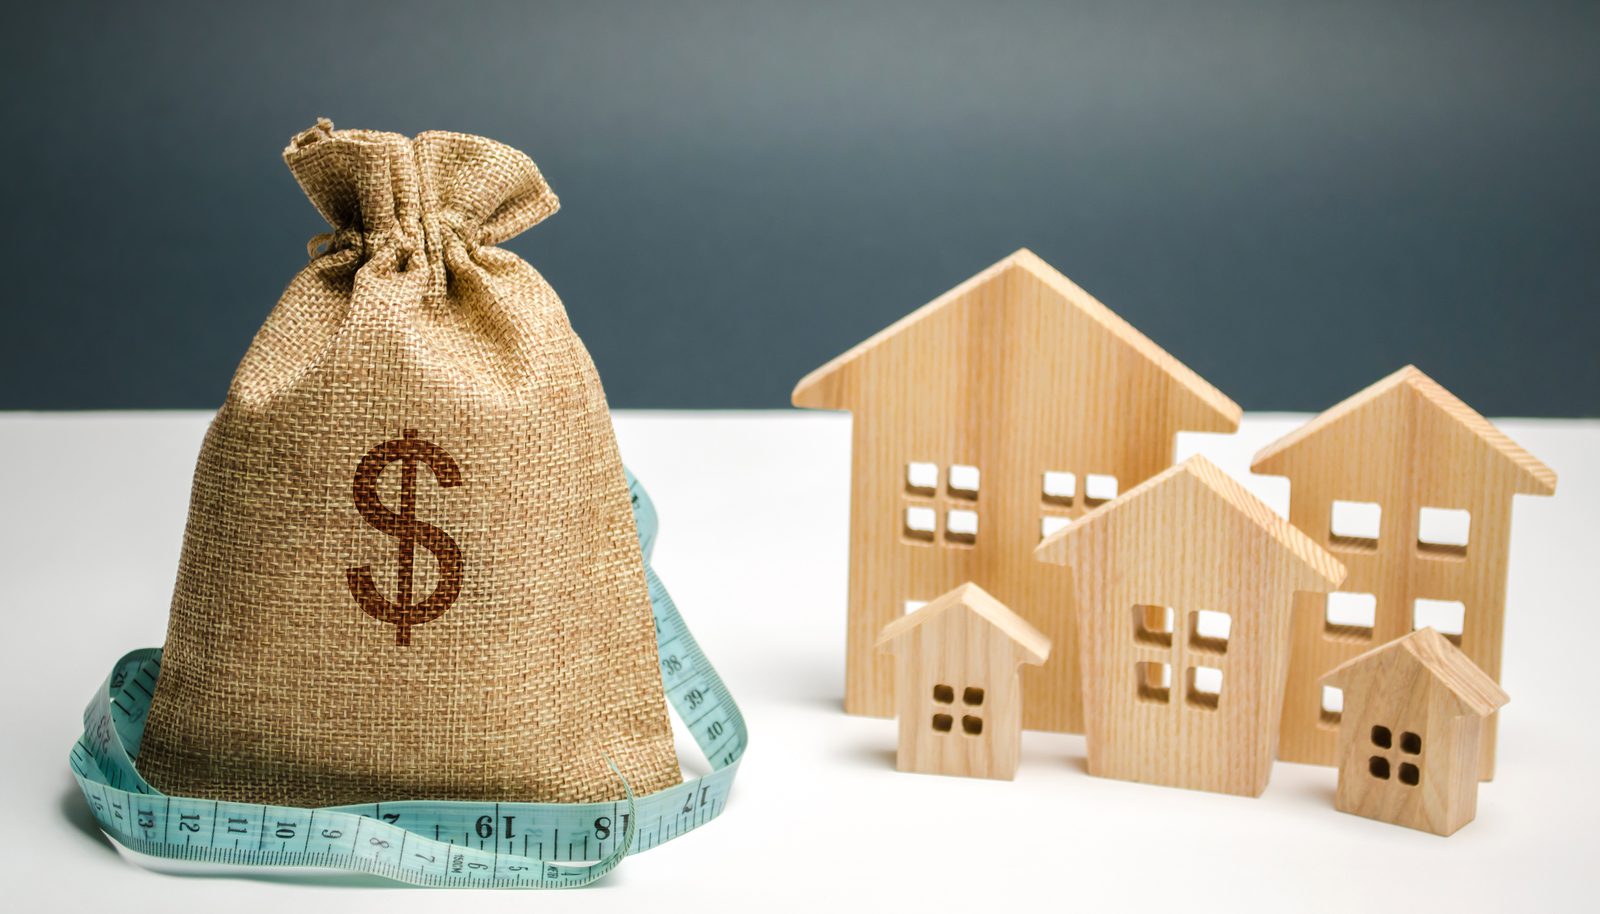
x: 1533, y: 477
x: 1198, y: 471
x: 1034, y: 645
x: 814, y: 392
x: 1476, y: 692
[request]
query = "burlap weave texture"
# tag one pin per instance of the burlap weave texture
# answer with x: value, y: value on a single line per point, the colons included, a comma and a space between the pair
x: 411, y: 569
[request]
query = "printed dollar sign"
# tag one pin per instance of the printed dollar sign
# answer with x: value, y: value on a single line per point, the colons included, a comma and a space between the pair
x: 404, y: 526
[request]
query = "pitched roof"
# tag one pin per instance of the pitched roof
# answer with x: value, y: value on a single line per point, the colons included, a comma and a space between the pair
x: 1473, y: 688
x: 1533, y: 476
x: 1201, y: 471
x: 1034, y: 645
x: 811, y: 391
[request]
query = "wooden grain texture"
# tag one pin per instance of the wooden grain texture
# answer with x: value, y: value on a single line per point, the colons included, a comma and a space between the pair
x: 1410, y: 738
x: 958, y: 684
x: 1188, y: 541
x: 1404, y: 444
x: 1016, y: 372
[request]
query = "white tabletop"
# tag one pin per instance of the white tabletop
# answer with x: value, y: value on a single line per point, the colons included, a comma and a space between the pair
x: 753, y: 547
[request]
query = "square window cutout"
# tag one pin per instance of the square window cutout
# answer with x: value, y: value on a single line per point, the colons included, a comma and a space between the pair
x: 964, y: 481
x: 1355, y: 524
x: 961, y: 526
x: 1152, y: 625
x: 1204, y: 687
x: 922, y: 478
x: 1060, y: 488
x: 920, y: 523
x: 1443, y: 531
x: 1447, y: 617
x: 1332, y: 706
x: 1350, y: 615
x: 1099, y: 488
x: 1209, y: 630
x: 1050, y: 524
x: 1154, y: 681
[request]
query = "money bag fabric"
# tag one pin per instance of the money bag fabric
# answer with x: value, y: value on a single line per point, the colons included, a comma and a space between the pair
x: 411, y: 570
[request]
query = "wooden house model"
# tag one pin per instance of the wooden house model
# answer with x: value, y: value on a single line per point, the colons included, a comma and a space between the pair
x: 958, y: 683
x: 1411, y: 490
x: 984, y: 420
x: 1184, y: 587
x: 1409, y: 740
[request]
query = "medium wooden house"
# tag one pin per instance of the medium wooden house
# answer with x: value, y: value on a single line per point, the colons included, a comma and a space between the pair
x: 1410, y: 737
x: 958, y: 684
x: 984, y: 420
x: 1411, y: 489
x: 1184, y: 587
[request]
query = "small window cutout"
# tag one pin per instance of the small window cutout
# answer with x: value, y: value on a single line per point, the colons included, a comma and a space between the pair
x: 1382, y: 738
x: 1332, y: 706
x: 1354, y: 525
x: 1153, y: 625
x: 1209, y: 630
x: 922, y: 478
x: 1154, y: 680
x: 943, y: 694
x: 971, y: 726
x: 912, y: 606
x: 1060, y: 488
x: 964, y: 481
x: 1378, y: 766
x: 1099, y: 488
x: 1447, y: 617
x: 1410, y: 743
x: 1410, y: 775
x: 1443, y: 532
x: 1350, y: 615
x: 1204, y: 687
x: 1050, y: 524
x: 920, y: 523
x: 942, y: 722
x: 972, y: 695
x: 961, y: 526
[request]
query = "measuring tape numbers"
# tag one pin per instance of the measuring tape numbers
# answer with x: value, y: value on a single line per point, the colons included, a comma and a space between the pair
x: 433, y: 843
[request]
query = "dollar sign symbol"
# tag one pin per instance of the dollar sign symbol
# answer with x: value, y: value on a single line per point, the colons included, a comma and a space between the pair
x: 404, y: 526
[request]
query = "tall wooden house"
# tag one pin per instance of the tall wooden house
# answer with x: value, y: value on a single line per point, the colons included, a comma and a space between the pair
x: 1412, y: 490
x: 984, y: 420
x: 1184, y: 588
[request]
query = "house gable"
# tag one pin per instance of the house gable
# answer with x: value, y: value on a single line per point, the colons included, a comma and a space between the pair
x: 1445, y: 425
x: 1473, y: 691
x: 1032, y: 647
x: 1084, y: 352
x: 1163, y: 511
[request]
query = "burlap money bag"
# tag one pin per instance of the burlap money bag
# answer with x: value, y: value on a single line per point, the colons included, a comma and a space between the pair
x: 411, y: 569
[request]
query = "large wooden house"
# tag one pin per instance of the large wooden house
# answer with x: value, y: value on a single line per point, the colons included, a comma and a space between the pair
x: 1411, y: 489
x: 1184, y: 588
x: 984, y: 420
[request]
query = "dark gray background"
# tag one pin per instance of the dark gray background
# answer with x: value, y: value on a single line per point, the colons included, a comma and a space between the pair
x: 1293, y: 198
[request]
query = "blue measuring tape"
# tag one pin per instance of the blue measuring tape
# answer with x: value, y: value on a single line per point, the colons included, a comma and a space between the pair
x: 446, y: 843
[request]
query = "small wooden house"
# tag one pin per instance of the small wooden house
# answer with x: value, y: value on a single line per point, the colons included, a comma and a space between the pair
x: 1410, y: 735
x: 958, y: 684
x: 1184, y: 587
x: 1410, y: 489
x: 985, y: 419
